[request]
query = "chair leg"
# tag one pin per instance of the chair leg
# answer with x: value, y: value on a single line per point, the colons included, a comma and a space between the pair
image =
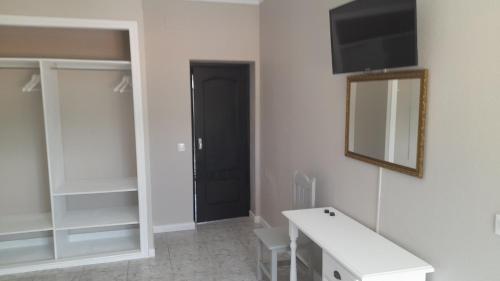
x: 274, y: 266
x: 259, y: 261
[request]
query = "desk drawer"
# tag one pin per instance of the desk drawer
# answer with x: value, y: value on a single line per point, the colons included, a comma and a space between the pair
x: 333, y: 271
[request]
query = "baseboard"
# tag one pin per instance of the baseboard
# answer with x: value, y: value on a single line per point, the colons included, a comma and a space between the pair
x: 174, y: 227
x: 256, y: 219
x: 152, y: 252
x: 317, y: 276
x: 264, y: 222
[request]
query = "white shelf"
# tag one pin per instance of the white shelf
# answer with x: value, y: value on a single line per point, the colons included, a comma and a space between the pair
x: 26, y: 255
x: 18, y: 63
x: 102, y: 217
x: 98, y: 247
x: 75, y: 64
x: 91, y: 64
x: 99, y: 186
x: 18, y: 224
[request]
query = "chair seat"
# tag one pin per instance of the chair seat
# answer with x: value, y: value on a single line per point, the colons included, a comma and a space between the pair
x: 274, y: 238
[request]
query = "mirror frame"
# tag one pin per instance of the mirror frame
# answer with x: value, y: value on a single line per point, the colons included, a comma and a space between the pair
x: 421, y: 74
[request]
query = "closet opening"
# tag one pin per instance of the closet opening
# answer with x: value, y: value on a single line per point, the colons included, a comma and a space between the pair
x: 72, y: 150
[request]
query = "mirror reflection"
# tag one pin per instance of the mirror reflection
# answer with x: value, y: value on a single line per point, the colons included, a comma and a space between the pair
x: 383, y: 120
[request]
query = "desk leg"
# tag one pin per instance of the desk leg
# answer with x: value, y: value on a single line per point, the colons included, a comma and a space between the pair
x: 294, y: 233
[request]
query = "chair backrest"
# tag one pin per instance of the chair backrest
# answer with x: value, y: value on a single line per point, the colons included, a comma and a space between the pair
x: 304, y: 191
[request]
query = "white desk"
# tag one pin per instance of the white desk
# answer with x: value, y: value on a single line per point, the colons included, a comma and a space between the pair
x: 351, y: 251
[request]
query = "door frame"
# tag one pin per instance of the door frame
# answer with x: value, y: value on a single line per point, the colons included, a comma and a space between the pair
x: 252, y: 126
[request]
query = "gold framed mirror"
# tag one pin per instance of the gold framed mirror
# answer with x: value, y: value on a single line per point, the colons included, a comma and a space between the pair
x: 385, y: 119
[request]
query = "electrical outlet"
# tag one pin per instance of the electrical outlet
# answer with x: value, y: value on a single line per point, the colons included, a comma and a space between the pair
x: 497, y: 224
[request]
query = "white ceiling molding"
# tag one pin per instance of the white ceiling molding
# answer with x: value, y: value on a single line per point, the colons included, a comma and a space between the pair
x: 244, y: 2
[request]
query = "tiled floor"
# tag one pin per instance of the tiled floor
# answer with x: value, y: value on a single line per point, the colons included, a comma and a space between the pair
x: 220, y: 251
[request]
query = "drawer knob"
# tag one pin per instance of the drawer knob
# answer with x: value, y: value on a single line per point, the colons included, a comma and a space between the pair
x: 337, y: 276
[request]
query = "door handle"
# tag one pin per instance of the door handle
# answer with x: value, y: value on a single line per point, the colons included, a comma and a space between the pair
x: 200, y: 144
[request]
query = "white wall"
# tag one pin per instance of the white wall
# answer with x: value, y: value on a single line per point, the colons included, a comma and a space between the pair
x: 178, y: 32
x: 23, y: 154
x: 97, y: 126
x: 446, y: 217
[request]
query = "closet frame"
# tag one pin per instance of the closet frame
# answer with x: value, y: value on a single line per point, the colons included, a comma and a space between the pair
x: 146, y: 248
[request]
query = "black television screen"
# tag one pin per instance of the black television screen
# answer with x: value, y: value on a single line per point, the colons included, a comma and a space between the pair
x: 374, y: 34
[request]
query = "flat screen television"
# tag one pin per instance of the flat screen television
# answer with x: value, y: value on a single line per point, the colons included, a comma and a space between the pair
x: 374, y: 34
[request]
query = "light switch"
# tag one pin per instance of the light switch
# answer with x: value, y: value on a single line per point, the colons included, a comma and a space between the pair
x: 497, y: 225
x: 181, y: 147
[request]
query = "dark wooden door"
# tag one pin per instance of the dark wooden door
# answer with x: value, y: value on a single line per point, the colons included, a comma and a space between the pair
x: 220, y: 98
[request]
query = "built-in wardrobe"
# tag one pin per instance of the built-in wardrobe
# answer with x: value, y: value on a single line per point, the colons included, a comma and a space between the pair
x: 72, y: 149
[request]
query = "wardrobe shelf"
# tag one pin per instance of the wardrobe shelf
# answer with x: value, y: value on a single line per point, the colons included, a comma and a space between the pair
x: 27, y: 254
x: 91, y: 64
x: 100, y: 247
x: 100, y: 217
x: 16, y: 63
x: 66, y: 63
x: 98, y: 186
x: 26, y: 223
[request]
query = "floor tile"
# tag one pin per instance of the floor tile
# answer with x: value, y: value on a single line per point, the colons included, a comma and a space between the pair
x: 149, y: 270
x: 105, y: 272
x: 209, y: 235
x: 183, y: 238
x: 194, y: 276
x: 236, y: 277
x: 70, y: 274
x: 228, y: 248
x: 219, y: 251
x: 17, y: 277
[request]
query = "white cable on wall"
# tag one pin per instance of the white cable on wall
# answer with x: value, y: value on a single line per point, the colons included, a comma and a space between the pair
x: 379, y: 195
x: 379, y: 199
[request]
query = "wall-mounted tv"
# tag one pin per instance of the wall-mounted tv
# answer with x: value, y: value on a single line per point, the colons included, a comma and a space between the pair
x: 374, y: 34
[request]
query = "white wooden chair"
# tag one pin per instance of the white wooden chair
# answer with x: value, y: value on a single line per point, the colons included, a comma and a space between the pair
x: 276, y: 240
